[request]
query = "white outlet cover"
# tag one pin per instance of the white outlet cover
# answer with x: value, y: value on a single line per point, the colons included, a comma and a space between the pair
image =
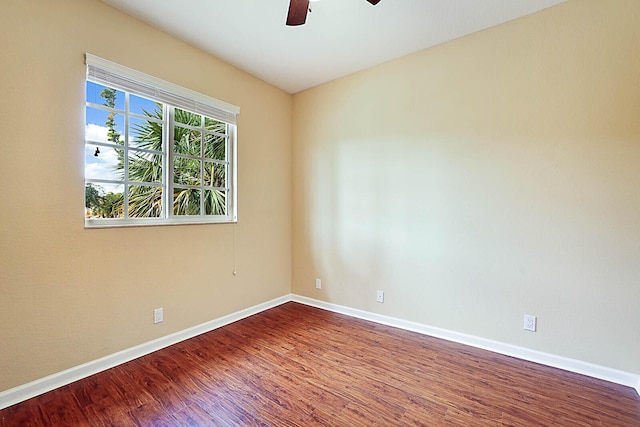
x: 158, y: 315
x: 318, y: 284
x: 380, y: 296
x: 529, y: 323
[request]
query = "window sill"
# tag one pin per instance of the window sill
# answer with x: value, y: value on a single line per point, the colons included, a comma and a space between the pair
x: 156, y: 222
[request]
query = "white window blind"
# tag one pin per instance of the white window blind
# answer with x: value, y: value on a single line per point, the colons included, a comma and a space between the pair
x: 119, y: 77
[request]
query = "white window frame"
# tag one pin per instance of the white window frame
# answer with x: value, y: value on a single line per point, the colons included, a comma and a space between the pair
x: 125, y: 79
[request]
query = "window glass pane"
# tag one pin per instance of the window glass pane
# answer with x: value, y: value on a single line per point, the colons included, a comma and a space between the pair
x: 104, y: 200
x: 186, y: 171
x: 103, y: 95
x: 186, y: 141
x: 145, y: 202
x: 145, y: 167
x: 186, y: 201
x: 215, y: 202
x: 215, y: 125
x: 145, y: 107
x: 215, y: 147
x: 103, y: 163
x: 214, y: 174
x: 103, y: 126
x: 145, y: 134
x: 188, y: 118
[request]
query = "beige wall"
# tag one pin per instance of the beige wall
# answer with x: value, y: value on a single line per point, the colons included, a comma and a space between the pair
x: 486, y: 178
x: 70, y: 295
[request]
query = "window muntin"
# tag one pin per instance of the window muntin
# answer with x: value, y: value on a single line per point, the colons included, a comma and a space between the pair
x: 150, y: 163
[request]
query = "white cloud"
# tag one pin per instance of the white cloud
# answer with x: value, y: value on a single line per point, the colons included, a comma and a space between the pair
x: 102, y: 166
x: 97, y: 133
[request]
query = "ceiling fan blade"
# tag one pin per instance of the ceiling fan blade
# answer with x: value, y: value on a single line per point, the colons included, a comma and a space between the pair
x: 374, y: 2
x: 298, y: 12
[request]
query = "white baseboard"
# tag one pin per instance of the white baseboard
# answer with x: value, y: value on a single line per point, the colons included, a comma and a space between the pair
x: 567, y: 364
x: 51, y: 382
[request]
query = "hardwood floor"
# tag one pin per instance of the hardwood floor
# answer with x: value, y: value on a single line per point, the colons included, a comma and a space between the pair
x: 295, y: 365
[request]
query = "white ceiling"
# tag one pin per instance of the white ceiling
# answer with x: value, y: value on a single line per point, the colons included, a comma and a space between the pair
x: 339, y: 38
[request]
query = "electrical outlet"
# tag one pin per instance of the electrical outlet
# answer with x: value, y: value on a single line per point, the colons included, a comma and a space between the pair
x: 158, y: 315
x: 529, y: 323
x: 380, y: 296
x: 318, y: 284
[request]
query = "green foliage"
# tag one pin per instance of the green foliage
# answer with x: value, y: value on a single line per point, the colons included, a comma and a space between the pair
x: 103, y: 205
x: 146, y: 201
x: 113, y: 206
x: 92, y: 197
x: 109, y: 96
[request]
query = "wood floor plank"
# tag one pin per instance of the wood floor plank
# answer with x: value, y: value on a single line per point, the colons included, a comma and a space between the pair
x: 59, y: 408
x: 195, y: 416
x: 296, y: 365
x: 108, y: 412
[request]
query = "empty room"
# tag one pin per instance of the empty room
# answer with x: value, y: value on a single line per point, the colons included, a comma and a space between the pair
x: 337, y: 212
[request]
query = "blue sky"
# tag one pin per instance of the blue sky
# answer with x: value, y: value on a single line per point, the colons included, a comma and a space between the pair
x: 103, y: 165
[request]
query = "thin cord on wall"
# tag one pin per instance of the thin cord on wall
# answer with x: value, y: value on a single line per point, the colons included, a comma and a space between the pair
x: 234, y: 249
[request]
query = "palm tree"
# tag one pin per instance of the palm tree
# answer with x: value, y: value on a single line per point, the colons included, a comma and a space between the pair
x: 146, y: 201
